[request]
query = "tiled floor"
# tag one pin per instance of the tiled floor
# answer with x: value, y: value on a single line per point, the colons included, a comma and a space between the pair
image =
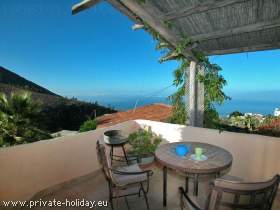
x: 94, y: 187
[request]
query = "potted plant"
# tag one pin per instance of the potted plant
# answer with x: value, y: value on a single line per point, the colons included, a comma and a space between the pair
x: 143, y: 145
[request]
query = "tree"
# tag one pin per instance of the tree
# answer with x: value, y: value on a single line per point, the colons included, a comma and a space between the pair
x: 235, y: 114
x: 18, y: 114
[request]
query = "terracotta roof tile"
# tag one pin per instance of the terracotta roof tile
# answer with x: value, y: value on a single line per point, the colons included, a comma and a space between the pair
x: 155, y: 112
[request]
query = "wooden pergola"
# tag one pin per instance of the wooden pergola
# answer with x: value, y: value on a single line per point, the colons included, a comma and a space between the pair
x: 217, y: 27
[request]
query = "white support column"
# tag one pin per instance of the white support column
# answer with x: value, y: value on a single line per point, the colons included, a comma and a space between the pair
x: 187, y: 93
x: 194, y: 91
x: 200, y: 98
x: 192, y: 94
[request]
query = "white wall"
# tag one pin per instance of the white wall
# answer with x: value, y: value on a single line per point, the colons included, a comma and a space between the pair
x: 255, y: 157
x: 30, y: 168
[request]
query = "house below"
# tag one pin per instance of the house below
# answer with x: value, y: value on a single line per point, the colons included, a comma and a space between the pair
x: 155, y: 112
x: 277, y: 112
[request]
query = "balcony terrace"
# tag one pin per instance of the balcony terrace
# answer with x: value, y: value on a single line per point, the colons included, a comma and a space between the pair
x: 67, y: 167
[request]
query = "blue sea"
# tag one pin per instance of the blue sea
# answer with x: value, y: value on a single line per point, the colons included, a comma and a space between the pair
x: 261, y: 107
x: 252, y: 106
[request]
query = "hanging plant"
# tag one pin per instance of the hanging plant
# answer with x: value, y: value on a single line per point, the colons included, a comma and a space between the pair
x: 213, y: 81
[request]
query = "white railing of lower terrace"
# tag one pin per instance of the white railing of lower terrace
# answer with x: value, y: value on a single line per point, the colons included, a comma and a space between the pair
x: 28, y: 169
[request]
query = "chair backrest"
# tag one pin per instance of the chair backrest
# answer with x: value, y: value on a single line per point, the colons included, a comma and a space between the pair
x: 102, y: 159
x: 231, y: 195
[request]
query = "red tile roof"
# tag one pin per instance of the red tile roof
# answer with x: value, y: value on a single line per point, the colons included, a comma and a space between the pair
x: 155, y: 112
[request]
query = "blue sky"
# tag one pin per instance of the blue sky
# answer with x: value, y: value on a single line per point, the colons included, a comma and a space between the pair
x: 97, y: 53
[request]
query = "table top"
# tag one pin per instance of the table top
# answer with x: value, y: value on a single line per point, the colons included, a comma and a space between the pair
x: 116, y: 142
x: 218, y: 158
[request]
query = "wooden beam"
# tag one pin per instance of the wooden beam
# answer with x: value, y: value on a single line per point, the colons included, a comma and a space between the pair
x: 134, y: 11
x: 152, y: 18
x: 86, y: 4
x: 199, y: 8
x: 238, y: 30
x: 137, y: 26
x: 254, y: 48
x: 124, y: 10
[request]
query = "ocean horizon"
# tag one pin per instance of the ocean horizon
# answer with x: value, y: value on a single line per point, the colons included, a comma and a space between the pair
x: 241, y: 105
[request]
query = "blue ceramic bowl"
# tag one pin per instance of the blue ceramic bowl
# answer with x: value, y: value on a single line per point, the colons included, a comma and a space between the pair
x: 181, y: 150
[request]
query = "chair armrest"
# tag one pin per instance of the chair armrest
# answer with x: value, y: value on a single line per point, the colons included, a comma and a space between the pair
x: 189, y: 200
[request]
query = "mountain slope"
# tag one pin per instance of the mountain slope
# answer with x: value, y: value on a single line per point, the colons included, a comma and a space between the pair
x: 10, y: 78
x: 58, y: 113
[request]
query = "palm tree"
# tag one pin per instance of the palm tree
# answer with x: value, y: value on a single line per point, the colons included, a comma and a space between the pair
x: 18, y: 116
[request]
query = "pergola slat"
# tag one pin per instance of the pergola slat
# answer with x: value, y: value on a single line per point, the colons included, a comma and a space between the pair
x: 200, y: 7
x: 238, y: 30
x: 244, y: 49
x: 208, y: 22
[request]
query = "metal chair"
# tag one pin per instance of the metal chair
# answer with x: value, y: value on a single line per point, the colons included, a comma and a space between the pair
x: 123, y: 181
x: 231, y: 195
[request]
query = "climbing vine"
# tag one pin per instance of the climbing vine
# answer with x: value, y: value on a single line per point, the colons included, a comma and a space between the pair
x: 212, y: 79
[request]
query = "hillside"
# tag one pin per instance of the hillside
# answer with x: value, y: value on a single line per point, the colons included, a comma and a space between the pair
x: 10, y: 78
x: 58, y: 113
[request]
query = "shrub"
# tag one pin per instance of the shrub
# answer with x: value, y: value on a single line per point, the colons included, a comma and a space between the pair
x: 178, y: 114
x: 211, y: 118
x: 270, y: 127
x: 88, y: 126
x: 18, y: 120
x: 235, y: 114
x: 69, y: 115
x: 144, y: 142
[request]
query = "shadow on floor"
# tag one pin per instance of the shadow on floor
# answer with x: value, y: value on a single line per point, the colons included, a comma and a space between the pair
x: 93, y: 187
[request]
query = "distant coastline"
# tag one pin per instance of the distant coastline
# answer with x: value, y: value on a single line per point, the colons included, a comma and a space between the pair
x: 252, y: 106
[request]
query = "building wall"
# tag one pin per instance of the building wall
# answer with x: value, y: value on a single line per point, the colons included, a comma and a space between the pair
x: 277, y: 112
x: 28, y: 169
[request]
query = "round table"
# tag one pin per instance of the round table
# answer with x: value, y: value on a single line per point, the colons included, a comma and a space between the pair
x: 218, y: 160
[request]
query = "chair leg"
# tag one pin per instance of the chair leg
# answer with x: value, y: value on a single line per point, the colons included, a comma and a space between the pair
x: 181, y: 201
x: 110, y: 196
x: 112, y: 154
x: 111, y: 202
x: 195, y: 183
x: 182, y: 205
x: 117, y: 200
x: 187, y: 184
x: 164, y: 186
x: 145, y: 196
x: 125, y: 198
x: 124, y: 153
